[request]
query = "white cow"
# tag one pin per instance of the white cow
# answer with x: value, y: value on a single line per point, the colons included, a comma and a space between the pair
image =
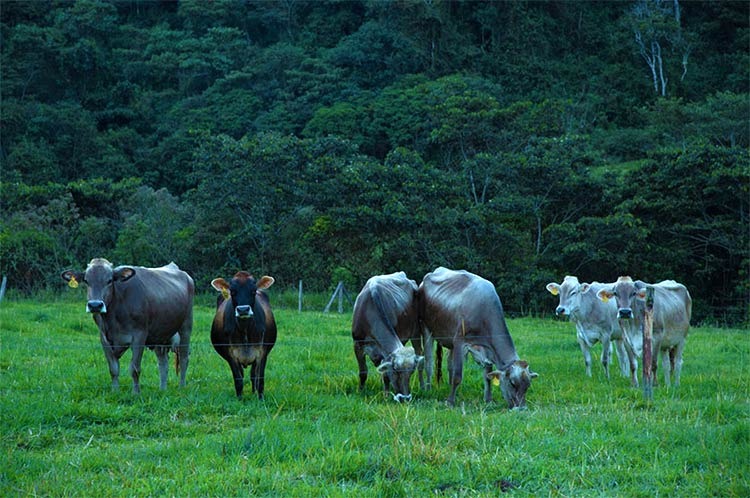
x: 596, y: 321
x: 671, y: 320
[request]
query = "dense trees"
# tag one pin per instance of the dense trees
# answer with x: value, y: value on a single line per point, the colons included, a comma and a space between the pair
x: 328, y: 140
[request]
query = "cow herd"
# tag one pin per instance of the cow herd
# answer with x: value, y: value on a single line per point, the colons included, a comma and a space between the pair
x: 136, y: 307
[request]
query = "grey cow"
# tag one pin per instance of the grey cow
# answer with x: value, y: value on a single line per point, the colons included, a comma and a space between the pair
x: 137, y: 307
x: 595, y: 320
x: 462, y: 311
x: 671, y: 320
x: 385, y: 318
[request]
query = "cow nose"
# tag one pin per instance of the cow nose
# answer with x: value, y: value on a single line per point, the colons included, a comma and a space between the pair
x: 560, y: 310
x: 244, y: 311
x: 401, y: 397
x: 625, y: 313
x: 96, y: 306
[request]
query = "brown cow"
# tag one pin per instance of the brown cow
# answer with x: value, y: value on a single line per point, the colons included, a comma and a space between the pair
x: 244, y: 330
x: 137, y: 307
x: 385, y: 317
x: 462, y: 311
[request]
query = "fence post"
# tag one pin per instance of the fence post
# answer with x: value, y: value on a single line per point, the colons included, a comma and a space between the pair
x: 299, y: 298
x: 333, y: 296
x: 647, y: 324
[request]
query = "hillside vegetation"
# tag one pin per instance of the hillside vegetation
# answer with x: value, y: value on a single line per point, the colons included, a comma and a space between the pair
x: 335, y: 140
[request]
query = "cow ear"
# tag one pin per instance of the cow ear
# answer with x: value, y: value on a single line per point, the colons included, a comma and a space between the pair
x: 123, y: 273
x: 641, y: 294
x: 604, y: 295
x: 585, y: 288
x: 553, y: 288
x: 265, y: 282
x: 494, y: 377
x: 72, y: 277
x: 219, y: 284
x: 383, y: 367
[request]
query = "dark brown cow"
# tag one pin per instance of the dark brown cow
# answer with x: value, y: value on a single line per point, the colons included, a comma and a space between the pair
x: 244, y: 330
x: 462, y: 311
x: 137, y: 307
x: 385, y: 317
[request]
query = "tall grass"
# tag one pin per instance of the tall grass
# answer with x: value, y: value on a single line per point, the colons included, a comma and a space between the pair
x: 66, y: 433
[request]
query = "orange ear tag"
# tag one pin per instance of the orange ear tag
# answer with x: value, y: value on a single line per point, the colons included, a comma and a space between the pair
x: 225, y: 293
x: 73, y: 283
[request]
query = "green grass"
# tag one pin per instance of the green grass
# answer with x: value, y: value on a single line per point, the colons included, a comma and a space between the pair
x: 66, y: 433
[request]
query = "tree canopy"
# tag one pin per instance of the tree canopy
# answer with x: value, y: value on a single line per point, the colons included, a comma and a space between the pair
x: 313, y: 139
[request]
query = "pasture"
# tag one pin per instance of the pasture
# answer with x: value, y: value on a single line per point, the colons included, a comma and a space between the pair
x: 66, y: 433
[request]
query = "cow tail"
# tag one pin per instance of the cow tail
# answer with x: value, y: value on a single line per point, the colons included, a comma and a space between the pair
x: 439, y: 362
x: 177, y: 362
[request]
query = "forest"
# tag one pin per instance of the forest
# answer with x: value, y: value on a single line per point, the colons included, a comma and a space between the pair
x: 334, y: 140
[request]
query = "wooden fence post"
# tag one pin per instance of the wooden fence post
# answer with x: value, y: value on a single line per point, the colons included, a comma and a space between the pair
x: 333, y: 296
x: 648, y: 323
x: 2, y: 287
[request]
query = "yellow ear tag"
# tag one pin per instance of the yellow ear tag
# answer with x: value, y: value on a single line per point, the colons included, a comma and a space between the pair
x: 554, y: 291
x: 225, y: 293
x: 604, y: 298
x: 73, y: 283
x: 495, y: 381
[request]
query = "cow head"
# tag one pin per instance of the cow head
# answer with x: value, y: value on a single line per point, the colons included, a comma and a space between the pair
x: 514, y: 382
x: 625, y: 291
x: 241, y: 292
x: 100, y: 278
x: 398, y: 367
x: 570, y: 292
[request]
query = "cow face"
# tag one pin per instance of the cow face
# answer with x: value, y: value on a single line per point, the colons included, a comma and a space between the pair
x: 514, y: 382
x: 398, y: 370
x: 625, y: 291
x: 570, y: 295
x: 100, y: 278
x: 241, y: 291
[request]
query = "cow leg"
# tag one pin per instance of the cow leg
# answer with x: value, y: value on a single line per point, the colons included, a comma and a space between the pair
x: 428, y: 349
x: 114, y: 365
x: 183, y: 350
x: 622, y: 357
x: 162, y: 357
x: 675, y: 355
x: 586, y: 356
x: 262, y: 377
x: 238, y: 374
x: 487, y: 384
x: 606, y: 351
x: 135, y: 367
x: 455, y: 371
x: 633, y: 360
x: 359, y: 353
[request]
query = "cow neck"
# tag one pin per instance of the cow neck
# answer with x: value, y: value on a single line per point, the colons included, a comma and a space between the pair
x: 502, y: 344
x: 388, y: 340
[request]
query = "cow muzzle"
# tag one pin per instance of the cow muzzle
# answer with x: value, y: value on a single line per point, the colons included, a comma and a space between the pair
x: 561, y: 311
x: 243, y: 311
x: 625, y: 313
x: 401, y: 397
x: 96, y: 306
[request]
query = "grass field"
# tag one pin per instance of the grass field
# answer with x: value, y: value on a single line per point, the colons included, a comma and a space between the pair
x: 66, y: 433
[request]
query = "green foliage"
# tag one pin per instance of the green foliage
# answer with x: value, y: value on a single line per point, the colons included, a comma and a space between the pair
x: 520, y: 140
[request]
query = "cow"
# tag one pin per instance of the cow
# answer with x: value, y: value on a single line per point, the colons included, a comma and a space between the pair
x: 244, y: 329
x: 137, y: 307
x: 671, y: 320
x: 595, y: 320
x: 384, y: 319
x: 462, y: 311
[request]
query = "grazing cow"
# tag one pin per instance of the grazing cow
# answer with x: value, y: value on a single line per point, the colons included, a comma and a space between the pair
x: 137, y: 307
x: 596, y: 321
x: 671, y: 320
x: 385, y: 317
x: 244, y: 330
x: 462, y: 311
